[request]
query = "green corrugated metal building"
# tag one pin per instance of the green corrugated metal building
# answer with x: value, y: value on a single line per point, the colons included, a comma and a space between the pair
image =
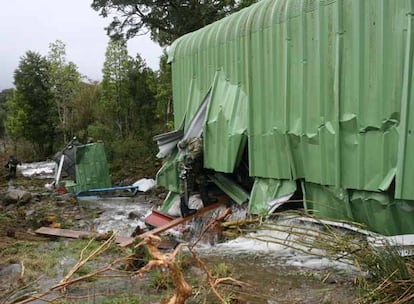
x: 320, y: 91
x: 91, y: 168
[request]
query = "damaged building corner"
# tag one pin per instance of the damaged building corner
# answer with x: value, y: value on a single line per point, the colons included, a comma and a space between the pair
x: 326, y: 132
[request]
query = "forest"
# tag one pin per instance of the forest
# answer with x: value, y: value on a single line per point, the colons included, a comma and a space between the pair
x: 52, y: 102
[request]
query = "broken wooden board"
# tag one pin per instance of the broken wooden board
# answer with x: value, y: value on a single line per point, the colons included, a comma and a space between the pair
x: 157, y: 219
x: 125, y: 241
x: 74, y: 234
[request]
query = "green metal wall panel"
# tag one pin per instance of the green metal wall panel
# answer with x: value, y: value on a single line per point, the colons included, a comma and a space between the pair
x: 266, y: 190
x: 327, y: 83
x: 225, y: 126
x: 167, y: 176
x: 379, y: 212
x: 92, y: 170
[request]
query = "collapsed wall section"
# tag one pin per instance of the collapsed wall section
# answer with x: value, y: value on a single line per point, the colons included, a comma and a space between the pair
x: 320, y: 88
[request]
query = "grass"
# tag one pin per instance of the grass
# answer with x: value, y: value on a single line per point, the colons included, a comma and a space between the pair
x: 221, y: 270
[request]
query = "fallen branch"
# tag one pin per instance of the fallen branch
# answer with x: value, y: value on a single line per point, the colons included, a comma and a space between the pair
x: 213, y: 282
x: 183, y: 290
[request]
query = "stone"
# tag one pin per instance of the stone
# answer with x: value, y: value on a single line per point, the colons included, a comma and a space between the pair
x: 15, y: 196
x: 10, y: 274
x: 134, y: 215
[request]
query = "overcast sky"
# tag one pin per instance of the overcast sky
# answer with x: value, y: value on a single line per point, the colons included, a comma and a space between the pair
x: 32, y: 25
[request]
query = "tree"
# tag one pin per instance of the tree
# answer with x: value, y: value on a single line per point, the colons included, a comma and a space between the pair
x: 164, y: 93
x: 31, y: 112
x: 115, y: 93
x: 85, y: 108
x: 5, y: 95
x: 165, y: 20
x: 64, y: 81
x: 142, y: 87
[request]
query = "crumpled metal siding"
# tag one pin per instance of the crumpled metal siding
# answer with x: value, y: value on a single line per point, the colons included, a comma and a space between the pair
x: 378, y: 212
x: 225, y: 125
x: 324, y: 80
x: 92, y: 170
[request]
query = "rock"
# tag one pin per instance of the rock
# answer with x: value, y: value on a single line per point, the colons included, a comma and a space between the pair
x: 65, y: 197
x: 10, y: 270
x: 196, y: 271
x: 29, y: 212
x: 10, y: 274
x: 15, y: 196
x: 10, y: 232
x: 134, y: 215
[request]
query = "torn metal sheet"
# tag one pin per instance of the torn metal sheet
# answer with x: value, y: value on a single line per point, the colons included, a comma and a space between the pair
x: 171, y: 199
x: 226, y: 125
x: 167, y: 142
x: 69, y: 151
x: 167, y: 176
x: 91, y: 168
x: 268, y: 194
x: 378, y: 212
x: 231, y: 188
x: 196, y: 126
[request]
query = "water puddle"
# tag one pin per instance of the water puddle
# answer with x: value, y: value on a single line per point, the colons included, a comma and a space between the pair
x: 42, y: 170
x: 118, y: 214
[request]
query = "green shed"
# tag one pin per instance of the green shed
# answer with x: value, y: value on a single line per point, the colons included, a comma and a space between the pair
x: 319, y: 91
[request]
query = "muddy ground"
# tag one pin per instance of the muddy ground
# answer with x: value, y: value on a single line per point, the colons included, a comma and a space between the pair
x: 31, y: 264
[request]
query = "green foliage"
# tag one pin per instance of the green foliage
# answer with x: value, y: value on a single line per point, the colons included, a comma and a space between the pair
x: 100, y: 131
x: 65, y: 83
x: 246, y: 3
x: 31, y: 113
x: 160, y: 279
x: 115, y: 97
x: 163, y: 96
x: 142, y: 86
x: 85, y: 112
x: 221, y: 270
x: 166, y: 20
x: 4, y: 96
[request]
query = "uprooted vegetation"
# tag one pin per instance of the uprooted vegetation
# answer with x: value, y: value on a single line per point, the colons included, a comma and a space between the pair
x: 90, y: 266
x: 80, y: 266
x: 384, y: 276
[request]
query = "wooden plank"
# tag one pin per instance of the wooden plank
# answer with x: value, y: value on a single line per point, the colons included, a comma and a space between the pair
x: 73, y: 234
x: 125, y: 241
x: 157, y: 219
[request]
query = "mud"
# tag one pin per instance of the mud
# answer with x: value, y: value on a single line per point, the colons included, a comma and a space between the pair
x: 269, y: 273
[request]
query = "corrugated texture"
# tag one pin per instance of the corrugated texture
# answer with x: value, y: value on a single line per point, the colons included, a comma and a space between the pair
x: 379, y: 212
x: 327, y: 84
x: 267, y: 189
x: 91, y: 167
x: 225, y: 126
x: 167, y: 176
x: 231, y: 188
